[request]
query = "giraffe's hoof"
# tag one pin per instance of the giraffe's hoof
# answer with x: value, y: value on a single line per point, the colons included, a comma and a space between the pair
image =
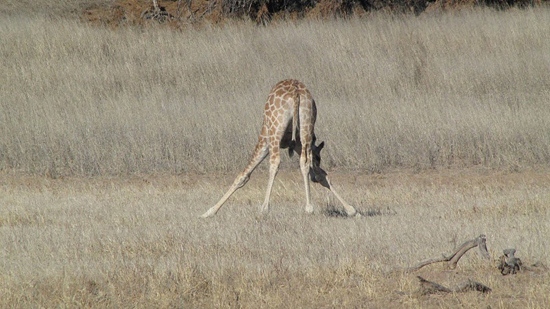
x: 309, y: 209
x: 353, y: 213
x: 210, y: 213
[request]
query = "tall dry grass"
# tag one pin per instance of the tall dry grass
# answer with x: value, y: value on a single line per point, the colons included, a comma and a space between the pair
x: 461, y: 89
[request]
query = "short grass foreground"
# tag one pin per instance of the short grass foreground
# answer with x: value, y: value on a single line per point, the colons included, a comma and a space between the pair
x: 138, y: 241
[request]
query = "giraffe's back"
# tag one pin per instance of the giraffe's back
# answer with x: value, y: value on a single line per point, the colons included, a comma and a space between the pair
x: 283, y: 97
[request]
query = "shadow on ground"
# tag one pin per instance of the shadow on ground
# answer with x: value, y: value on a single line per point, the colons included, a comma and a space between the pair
x: 335, y: 212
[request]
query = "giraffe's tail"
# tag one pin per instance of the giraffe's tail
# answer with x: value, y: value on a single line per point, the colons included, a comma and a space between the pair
x: 291, y: 148
x: 295, y: 118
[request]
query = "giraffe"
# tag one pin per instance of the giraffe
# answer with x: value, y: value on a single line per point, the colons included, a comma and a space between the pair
x: 289, y: 100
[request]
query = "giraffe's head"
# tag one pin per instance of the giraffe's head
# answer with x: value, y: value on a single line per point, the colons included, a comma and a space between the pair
x: 316, y: 173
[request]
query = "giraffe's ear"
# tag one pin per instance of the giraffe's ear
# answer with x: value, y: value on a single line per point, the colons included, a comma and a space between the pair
x: 320, y: 146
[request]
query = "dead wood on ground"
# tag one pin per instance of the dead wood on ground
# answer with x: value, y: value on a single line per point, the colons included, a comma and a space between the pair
x: 429, y: 287
x: 452, y: 259
x: 509, y: 264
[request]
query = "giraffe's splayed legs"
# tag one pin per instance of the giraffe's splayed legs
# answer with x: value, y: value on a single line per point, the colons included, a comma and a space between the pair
x: 304, y: 167
x: 289, y: 120
x: 273, y: 169
x: 260, y: 153
x: 350, y: 210
x: 318, y: 175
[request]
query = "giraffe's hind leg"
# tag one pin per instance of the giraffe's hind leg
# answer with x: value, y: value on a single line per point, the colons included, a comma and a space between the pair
x: 274, y: 162
x: 305, y: 158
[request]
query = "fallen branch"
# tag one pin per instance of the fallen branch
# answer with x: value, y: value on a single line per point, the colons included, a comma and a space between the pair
x: 430, y: 287
x: 480, y: 242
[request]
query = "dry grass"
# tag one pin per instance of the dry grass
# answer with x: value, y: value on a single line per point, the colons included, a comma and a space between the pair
x: 137, y: 242
x: 461, y: 89
x: 427, y: 94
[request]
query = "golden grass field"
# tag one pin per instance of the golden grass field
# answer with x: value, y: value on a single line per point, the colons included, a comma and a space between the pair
x: 113, y: 142
x: 138, y: 241
x: 392, y: 92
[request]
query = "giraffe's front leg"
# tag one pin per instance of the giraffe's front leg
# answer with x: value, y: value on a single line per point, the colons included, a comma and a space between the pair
x: 325, y: 182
